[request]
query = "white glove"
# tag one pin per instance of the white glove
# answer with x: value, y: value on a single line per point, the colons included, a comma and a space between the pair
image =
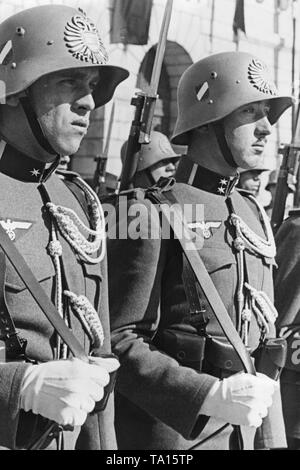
x: 65, y: 391
x: 241, y: 399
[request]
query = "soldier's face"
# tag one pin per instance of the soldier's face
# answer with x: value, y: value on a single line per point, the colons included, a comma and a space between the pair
x: 247, y: 130
x: 63, y: 102
x: 163, y: 169
x: 250, y: 180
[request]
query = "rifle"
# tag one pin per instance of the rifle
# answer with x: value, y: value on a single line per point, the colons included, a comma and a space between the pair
x: 287, y: 175
x: 100, y: 171
x: 144, y: 103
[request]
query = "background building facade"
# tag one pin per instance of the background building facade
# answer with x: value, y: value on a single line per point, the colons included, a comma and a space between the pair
x: 198, y: 28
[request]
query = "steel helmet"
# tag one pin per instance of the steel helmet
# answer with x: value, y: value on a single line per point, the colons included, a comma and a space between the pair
x: 158, y: 150
x: 215, y: 86
x: 49, y: 38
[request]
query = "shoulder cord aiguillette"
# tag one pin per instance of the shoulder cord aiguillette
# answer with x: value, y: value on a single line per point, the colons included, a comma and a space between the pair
x: 249, y: 299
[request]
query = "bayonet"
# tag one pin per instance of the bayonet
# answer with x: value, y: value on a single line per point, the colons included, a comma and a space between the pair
x: 144, y: 102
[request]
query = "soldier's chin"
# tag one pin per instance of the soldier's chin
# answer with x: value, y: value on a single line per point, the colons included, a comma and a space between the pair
x: 66, y: 148
x: 251, y: 163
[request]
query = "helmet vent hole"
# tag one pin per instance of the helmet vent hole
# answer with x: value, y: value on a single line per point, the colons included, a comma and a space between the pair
x: 202, y: 91
x: 20, y: 31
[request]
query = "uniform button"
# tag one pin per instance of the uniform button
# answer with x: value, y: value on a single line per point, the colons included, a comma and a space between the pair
x: 228, y: 364
x: 181, y: 355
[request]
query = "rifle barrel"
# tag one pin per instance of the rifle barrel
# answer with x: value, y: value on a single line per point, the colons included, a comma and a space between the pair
x: 109, y: 131
x: 279, y: 200
x: 100, y: 171
x: 145, y: 106
x: 133, y: 145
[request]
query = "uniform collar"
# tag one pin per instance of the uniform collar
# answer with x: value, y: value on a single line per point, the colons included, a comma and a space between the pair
x: 202, y: 178
x: 19, y: 166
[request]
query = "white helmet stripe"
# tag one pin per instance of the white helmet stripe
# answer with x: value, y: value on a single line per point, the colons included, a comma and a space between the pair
x: 5, y: 51
x: 193, y: 174
x: 202, y: 91
x: 2, y: 147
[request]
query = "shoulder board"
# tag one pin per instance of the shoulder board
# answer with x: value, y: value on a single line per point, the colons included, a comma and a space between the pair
x: 71, y: 180
x: 245, y: 193
x: 70, y: 175
x: 294, y: 212
x: 255, y: 205
x: 248, y: 196
x: 130, y: 194
x: 134, y: 193
x: 139, y: 194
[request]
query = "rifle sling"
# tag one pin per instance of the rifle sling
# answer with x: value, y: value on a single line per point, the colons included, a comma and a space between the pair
x: 164, y: 198
x: 11, y: 345
x: 40, y: 296
x: 197, y: 313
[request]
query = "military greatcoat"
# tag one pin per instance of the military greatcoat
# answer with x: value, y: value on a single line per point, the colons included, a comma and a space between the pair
x: 158, y: 399
x: 287, y: 300
x: 25, y: 218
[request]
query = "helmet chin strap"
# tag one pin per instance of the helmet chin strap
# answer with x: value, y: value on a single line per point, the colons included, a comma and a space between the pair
x: 40, y: 137
x: 150, y: 176
x: 143, y: 179
x: 219, y: 130
x: 35, y: 126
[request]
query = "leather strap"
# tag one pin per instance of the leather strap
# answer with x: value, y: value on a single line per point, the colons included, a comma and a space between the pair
x: 178, y: 223
x: 197, y: 307
x: 12, y: 345
x: 40, y: 296
x: 218, y: 127
x: 35, y: 126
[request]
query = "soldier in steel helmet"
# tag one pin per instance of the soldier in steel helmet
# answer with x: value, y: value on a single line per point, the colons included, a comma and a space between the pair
x: 287, y: 303
x: 55, y: 71
x: 227, y: 105
x: 156, y: 160
x: 250, y: 179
